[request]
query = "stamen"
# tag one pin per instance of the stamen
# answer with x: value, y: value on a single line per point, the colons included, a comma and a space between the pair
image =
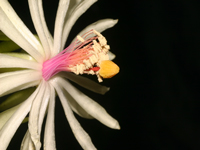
x: 85, y: 55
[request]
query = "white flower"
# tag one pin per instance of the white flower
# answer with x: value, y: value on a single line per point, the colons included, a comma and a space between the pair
x: 43, y: 98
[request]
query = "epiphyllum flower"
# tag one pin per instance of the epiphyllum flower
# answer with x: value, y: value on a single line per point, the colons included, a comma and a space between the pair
x: 45, y: 58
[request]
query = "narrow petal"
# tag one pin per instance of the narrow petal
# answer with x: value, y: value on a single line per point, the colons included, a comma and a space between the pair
x: 49, y: 134
x: 14, y: 81
x: 27, y: 143
x: 34, y: 123
x: 60, y: 18
x: 75, y: 106
x: 21, y: 55
x: 37, y: 15
x: 5, y: 115
x: 15, y: 29
x: 77, y: 12
x: 99, y: 26
x: 72, y: 6
x: 86, y: 83
x: 9, y: 129
x: 111, y: 55
x: 7, y: 61
x: 90, y: 106
x: 43, y: 106
x: 81, y: 136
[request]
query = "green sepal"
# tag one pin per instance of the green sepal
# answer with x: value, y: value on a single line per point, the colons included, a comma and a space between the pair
x: 8, y: 46
x: 16, y: 98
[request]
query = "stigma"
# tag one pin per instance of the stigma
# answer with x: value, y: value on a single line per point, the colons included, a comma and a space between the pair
x: 88, y: 54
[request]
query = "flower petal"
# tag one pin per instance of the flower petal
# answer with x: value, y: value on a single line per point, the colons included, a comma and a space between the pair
x: 99, y: 26
x: 86, y: 83
x: 14, y: 81
x: 77, y: 12
x: 27, y: 143
x: 5, y: 115
x: 49, y: 134
x: 7, y: 61
x: 75, y: 106
x: 82, y: 137
x: 60, y: 18
x: 90, y: 106
x: 15, y: 29
x: 9, y: 129
x: 21, y: 55
x: 37, y: 14
x: 37, y: 112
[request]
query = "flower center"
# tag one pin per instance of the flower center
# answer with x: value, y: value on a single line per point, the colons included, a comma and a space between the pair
x: 88, y: 54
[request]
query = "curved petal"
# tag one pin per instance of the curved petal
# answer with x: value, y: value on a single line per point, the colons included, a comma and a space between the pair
x: 60, y: 18
x: 27, y: 143
x: 9, y: 129
x: 77, y: 12
x: 5, y: 115
x: 75, y: 106
x: 15, y: 29
x: 81, y: 136
x: 86, y: 83
x: 14, y: 81
x: 21, y: 55
x: 37, y: 15
x: 7, y: 61
x: 99, y: 26
x: 72, y: 6
x: 90, y: 106
x: 49, y: 134
x: 36, y: 114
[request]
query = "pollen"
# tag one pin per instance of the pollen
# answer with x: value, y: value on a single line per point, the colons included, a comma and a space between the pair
x: 108, y: 69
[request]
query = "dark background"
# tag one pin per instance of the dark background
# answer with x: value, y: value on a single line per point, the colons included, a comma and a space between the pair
x: 155, y: 97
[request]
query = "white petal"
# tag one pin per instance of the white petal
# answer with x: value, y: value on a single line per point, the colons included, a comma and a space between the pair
x: 25, y: 141
x: 111, y: 55
x: 77, y: 12
x: 35, y: 118
x: 99, y: 26
x: 5, y: 115
x: 90, y: 106
x: 14, y: 81
x: 75, y: 106
x: 72, y: 6
x: 60, y: 18
x: 9, y: 129
x: 82, y: 137
x: 86, y: 83
x: 49, y: 134
x: 37, y: 15
x: 15, y: 29
x: 43, y: 107
x: 7, y: 61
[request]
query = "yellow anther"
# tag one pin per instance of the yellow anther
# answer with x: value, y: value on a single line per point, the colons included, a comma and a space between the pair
x: 108, y: 69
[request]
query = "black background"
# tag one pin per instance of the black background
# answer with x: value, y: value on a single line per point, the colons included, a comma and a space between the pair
x: 155, y: 97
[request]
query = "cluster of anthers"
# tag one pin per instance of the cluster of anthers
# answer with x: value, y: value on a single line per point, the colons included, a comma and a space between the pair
x: 87, y: 55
